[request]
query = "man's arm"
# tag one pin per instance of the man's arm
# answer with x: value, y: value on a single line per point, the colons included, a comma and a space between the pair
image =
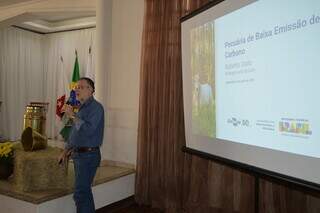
x: 89, y: 125
x: 64, y: 156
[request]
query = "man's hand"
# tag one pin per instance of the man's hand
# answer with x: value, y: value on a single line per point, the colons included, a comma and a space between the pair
x: 64, y: 157
x: 68, y: 109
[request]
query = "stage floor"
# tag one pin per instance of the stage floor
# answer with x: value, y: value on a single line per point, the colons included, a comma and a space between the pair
x: 108, y: 171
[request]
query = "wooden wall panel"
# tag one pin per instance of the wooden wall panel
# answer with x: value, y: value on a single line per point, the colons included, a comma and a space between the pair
x: 275, y: 198
x: 212, y: 187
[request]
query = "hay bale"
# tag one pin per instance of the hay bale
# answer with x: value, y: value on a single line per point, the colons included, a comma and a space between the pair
x: 38, y: 170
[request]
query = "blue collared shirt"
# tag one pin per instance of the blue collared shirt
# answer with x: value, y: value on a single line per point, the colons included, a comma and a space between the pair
x: 87, y: 130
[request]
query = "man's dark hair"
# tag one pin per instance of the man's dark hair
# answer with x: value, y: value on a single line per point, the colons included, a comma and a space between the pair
x: 90, y: 82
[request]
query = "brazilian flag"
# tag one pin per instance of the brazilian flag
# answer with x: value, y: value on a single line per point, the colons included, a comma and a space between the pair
x: 65, y: 131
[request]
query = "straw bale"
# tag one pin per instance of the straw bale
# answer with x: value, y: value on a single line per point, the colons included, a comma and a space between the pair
x: 38, y: 170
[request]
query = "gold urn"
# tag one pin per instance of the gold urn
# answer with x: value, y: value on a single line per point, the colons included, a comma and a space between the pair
x: 34, y: 124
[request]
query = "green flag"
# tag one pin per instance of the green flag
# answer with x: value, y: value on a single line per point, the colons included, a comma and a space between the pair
x: 65, y: 132
x: 76, y: 71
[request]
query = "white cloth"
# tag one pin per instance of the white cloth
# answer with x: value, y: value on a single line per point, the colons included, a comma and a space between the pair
x: 21, y: 77
x: 90, y: 71
x: 29, y: 72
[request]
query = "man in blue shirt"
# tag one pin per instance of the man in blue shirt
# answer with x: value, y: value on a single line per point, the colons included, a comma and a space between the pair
x: 83, y: 144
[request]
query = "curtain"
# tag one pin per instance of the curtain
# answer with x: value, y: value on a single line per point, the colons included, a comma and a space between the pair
x: 30, y: 68
x: 63, y: 45
x: 21, y: 77
x: 166, y: 177
x: 161, y: 129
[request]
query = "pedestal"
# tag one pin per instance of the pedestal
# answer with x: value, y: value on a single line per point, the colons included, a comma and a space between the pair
x: 38, y: 170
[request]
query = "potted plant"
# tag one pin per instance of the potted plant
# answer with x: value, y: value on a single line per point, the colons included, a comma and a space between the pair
x: 6, y: 160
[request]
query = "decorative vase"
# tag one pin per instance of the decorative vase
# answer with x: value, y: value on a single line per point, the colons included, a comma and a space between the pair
x: 6, y: 169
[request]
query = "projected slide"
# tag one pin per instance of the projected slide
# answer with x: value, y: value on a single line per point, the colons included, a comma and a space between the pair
x: 267, y: 76
x: 202, y: 68
x: 255, y: 75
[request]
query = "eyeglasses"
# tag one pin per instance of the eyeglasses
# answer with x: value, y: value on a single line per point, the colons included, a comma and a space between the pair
x: 82, y: 87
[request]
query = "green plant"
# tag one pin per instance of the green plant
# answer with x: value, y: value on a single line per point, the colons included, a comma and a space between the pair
x: 6, y: 152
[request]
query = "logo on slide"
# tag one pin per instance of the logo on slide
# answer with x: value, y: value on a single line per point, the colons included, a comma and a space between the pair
x: 234, y: 121
x: 297, y: 126
x: 238, y: 122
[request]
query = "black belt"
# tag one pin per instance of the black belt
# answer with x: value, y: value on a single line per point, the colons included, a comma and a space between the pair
x: 85, y: 149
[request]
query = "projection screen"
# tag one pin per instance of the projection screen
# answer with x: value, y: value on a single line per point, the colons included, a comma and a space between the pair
x: 251, y: 79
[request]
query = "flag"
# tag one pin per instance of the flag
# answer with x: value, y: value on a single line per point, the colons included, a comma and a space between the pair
x: 75, y: 78
x: 62, y: 89
x: 89, y: 70
x: 72, y: 100
x: 75, y: 74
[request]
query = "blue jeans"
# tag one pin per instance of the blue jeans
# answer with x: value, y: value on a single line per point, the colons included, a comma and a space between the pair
x: 85, y: 167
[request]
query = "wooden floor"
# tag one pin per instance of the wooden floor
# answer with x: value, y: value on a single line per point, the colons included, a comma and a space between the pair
x: 130, y: 209
x: 127, y: 206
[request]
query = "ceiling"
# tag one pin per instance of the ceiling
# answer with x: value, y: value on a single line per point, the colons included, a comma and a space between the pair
x: 63, y: 16
x: 10, y: 2
x: 54, y: 21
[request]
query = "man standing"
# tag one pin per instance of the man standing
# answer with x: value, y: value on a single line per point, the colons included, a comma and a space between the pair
x: 83, y: 144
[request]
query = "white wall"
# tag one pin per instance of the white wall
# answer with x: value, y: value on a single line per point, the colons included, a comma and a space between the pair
x: 123, y: 101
